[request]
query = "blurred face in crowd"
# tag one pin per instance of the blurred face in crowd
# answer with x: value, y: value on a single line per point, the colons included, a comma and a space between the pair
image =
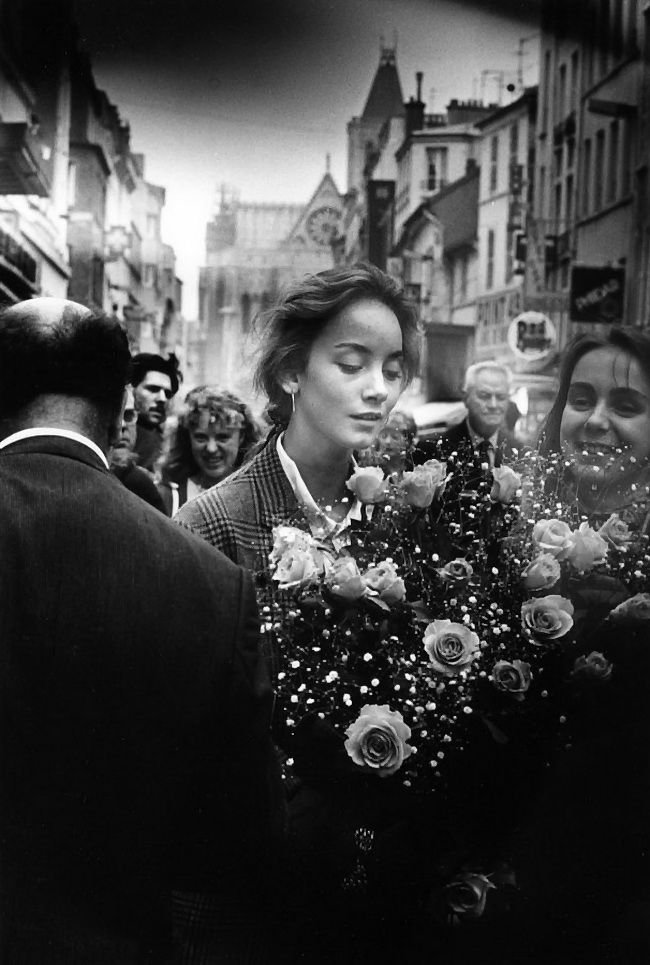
x: 129, y: 419
x: 215, y: 446
x: 487, y: 401
x: 606, y: 419
x: 352, y: 380
x: 152, y: 397
x: 393, y: 441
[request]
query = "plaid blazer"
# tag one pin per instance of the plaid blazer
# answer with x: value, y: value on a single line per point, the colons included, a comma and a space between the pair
x: 238, y: 515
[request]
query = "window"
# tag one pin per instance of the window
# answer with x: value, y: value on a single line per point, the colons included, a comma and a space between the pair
x: 557, y: 213
x: 628, y: 158
x: 463, y: 278
x: 149, y: 276
x: 612, y: 167
x: 570, y: 153
x: 616, y: 38
x: 568, y: 198
x: 586, y: 177
x: 494, y: 164
x: 599, y: 163
x: 557, y: 163
x: 575, y: 80
x: 604, y: 39
x: 541, y: 191
x: 489, y: 278
x: 97, y: 280
x: 630, y: 33
x: 436, y: 168
x: 547, y: 90
x: 514, y: 141
x: 72, y: 183
x: 152, y: 226
x: 560, y: 105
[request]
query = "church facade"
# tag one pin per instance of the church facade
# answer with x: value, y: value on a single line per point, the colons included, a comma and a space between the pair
x: 253, y: 252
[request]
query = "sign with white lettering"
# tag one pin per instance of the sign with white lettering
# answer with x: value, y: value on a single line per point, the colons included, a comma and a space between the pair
x: 597, y: 294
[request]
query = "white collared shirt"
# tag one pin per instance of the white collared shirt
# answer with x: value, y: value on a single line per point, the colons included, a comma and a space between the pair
x: 57, y: 433
x: 320, y: 523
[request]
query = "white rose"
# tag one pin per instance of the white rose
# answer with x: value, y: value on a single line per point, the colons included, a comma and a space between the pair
x: 377, y: 740
x: 552, y: 536
x: 587, y: 549
x: 506, y: 483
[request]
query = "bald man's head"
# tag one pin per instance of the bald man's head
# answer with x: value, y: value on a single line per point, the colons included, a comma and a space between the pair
x: 47, y: 311
x: 52, y: 347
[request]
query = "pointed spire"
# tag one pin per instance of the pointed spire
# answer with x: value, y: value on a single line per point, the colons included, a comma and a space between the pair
x: 328, y: 160
x: 385, y: 98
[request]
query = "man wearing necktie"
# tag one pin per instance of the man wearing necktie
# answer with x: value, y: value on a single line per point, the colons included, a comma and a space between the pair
x: 482, y: 437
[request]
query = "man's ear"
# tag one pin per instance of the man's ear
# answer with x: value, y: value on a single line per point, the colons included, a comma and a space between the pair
x: 115, y: 428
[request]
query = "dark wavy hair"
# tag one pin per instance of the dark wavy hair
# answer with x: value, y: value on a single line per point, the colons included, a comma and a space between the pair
x: 291, y: 328
x: 179, y: 463
x: 631, y: 340
x: 82, y: 354
x: 145, y: 362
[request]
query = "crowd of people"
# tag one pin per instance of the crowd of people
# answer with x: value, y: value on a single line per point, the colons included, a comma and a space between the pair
x: 150, y: 810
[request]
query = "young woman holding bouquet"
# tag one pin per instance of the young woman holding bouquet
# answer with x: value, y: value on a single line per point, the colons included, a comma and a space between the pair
x: 600, y: 424
x: 589, y: 897
x: 336, y: 353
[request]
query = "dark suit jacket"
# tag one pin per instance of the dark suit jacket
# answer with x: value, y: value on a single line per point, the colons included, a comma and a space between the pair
x: 458, y: 438
x: 135, y: 752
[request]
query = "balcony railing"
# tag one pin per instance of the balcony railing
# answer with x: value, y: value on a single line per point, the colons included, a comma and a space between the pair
x: 21, y: 169
x: 15, y: 256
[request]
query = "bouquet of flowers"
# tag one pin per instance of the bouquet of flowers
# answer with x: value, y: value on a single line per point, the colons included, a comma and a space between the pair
x: 444, y: 609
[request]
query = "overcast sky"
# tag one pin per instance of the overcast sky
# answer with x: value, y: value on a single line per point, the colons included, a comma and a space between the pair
x: 256, y: 93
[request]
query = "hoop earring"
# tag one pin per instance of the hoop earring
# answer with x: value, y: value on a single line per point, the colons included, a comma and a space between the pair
x: 293, y: 401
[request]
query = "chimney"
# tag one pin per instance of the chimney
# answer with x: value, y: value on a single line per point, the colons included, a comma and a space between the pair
x: 468, y: 112
x: 414, y: 108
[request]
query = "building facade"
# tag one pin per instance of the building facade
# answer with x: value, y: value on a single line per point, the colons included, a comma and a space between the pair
x: 253, y: 251
x: 35, y: 119
x: 589, y: 228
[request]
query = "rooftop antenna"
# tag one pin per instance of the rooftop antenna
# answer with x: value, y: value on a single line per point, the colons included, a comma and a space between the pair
x: 520, y: 58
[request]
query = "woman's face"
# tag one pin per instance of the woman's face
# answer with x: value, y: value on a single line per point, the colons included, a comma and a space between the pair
x: 352, y: 380
x: 606, y: 419
x: 214, y: 447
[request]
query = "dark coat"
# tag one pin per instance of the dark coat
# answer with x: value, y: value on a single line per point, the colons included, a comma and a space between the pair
x: 148, y: 445
x: 457, y: 438
x: 135, y: 715
x: 140, y: 482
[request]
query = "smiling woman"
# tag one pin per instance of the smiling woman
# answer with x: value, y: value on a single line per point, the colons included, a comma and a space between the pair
x: 600, y: 421
x: 215, y: 431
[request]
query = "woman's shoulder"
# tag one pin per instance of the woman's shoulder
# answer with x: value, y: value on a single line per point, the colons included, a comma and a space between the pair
x: 257, y: 489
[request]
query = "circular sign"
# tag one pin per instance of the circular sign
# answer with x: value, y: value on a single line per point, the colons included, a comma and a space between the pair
x: 532, y: 337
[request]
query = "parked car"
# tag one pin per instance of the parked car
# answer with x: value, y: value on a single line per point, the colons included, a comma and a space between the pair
x: 434, y: 418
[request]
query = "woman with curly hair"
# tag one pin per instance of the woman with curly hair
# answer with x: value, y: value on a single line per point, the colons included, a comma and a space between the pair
x: 214, y: 433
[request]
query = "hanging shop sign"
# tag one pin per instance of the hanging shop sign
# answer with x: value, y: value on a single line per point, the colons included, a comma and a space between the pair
x: 532, y: 338
x: 597, y: 294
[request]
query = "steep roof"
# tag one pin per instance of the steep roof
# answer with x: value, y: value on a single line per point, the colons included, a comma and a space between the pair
x: 385, y: 98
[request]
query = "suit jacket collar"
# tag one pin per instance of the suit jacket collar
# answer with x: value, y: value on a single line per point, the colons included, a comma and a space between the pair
x: 55, y: 446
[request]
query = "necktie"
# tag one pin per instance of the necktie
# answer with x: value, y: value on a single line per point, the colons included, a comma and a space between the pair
x: 486, y: 453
